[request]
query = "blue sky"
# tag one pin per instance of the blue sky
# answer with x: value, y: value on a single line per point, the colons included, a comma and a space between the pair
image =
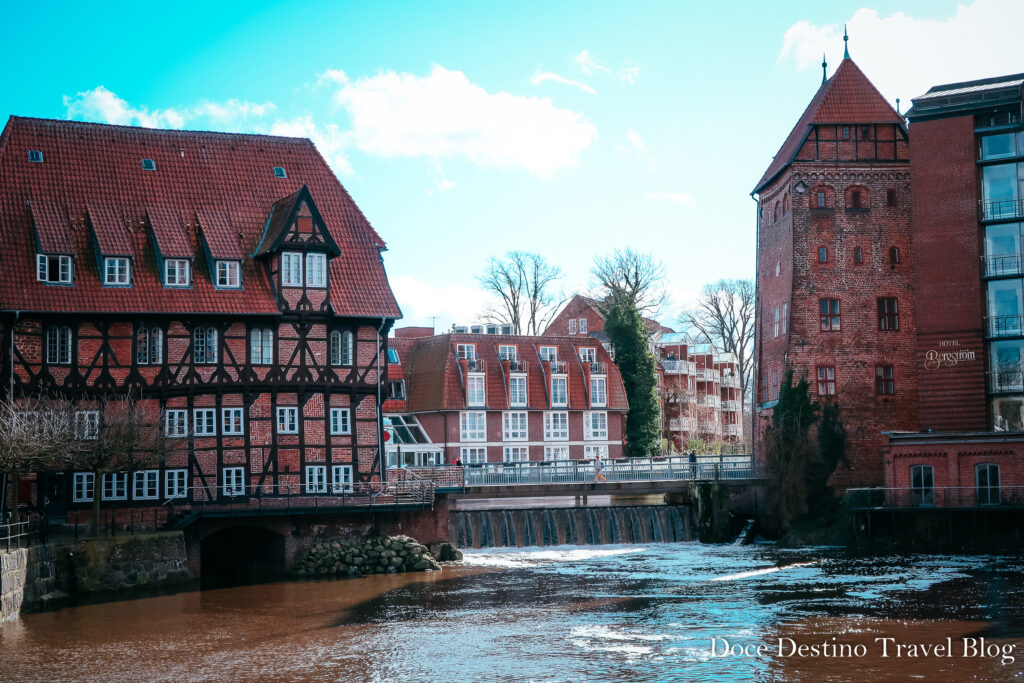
x: 467, y: 129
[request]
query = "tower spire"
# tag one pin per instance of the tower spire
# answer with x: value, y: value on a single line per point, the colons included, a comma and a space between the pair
x: 846, y: 44
x: 824, y: 69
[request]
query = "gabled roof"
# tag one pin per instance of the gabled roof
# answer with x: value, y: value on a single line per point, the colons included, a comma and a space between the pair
x: 92, y: 176
x: 281, y: 217
x: 169, y: 232
x: 847, y: 97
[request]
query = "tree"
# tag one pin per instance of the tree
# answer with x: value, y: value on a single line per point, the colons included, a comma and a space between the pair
x: 632, y: 277
x: 524, y: 284
x: 628, y: 334
x: 790, y: 452
x: 724, y: 316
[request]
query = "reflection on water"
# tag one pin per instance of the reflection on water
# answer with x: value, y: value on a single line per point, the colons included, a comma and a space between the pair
x: 630, y: 613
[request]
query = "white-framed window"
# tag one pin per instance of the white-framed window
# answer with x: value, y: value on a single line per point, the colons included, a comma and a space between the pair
x: 465, y: 351
x: 341, y: 347
x: 583, y: 325
x: 559, y: 390
x: 473, y: 455
x: 316, y: 270
x: 229, y: 274
x: 204, y: 421
x: 473, y: 426
x: 287, y: 420
x: 232, y: 421
x: 517, y: 391
x: 514, y: 426
x: 393, y: 357
x: 175, y: 483
x: 572, y: 325
x: 341, y: 479
x: 785, y: 318
x: 117, y: 271
x: 146, y: 484
x: 115, y: 486
x: 54, y: 269
x: 476, y: 394
x: 204, y: 345
x: 556, y: 426
x: 84, y: 487
x: 261, y: 346
x: 507, y: 352
x: 590, y: 452
x: 548, y: 353
x: 515, y: 454
x: 598, y: 391
x: 149, y: 346
x: 316, y: 479
x: 87, y: 424
x: 233, y: 481
x: 775, y: 331
x: 556, y: 453
x: 341, y: 422
x: 177, y: 272
x: 588, y: 354
x: 58, y: 345
x: 291, y: 269
x: 595, y: 425
x: 176, y: 423
x: 396, y: 389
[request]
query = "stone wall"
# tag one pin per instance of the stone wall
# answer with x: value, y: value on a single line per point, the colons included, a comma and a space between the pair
x: 27, y: 579
x: 112, y: 564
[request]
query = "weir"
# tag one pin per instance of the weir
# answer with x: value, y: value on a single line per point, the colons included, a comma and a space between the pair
x: 572, y: 526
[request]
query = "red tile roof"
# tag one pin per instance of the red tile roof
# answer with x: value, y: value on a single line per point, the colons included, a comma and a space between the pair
x: 847, y: 97
x: 92, y: 177
x: 169, y: 232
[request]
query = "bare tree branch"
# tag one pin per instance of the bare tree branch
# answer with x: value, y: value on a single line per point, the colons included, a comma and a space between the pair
x: 636, y: 277
x: 524, y: 284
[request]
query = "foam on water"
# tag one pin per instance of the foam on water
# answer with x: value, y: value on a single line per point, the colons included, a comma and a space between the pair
x: 533, y: 557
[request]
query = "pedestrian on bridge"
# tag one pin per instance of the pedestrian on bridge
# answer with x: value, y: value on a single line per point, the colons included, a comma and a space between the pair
x: 599, y: 469
x: 693, y: 464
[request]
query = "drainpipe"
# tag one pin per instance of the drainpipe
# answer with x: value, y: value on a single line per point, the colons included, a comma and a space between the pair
x: 380, y: 412
x: 10, y: 397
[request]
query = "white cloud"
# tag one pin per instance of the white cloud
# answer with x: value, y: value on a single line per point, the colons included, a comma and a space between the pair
x: 443, y: 114
x: 329, y: 139
x: 332, y: 76
x: 904, y: 55
x: 635, y: 139
x: 544, y: 76
x: 441, y: 183
x: 449, y: 304
x: 588, y: 65
x: 104, y: 105
x: 629, y: 73
x: 682, y: 197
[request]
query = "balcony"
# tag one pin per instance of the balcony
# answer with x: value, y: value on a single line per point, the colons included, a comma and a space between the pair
x: 516, y: 365
x: 712, y: 401
x: 475, y: 364
x: 597, y: 367
x: 707, y: 374
x: 731, y: 381
x: 558, y: 367
x: 1001, y: 266
x: 1005, y: 381
x: 732, y: 430
x: 731, y: 405
x: 1004, y: 326
x: 999, y: 209
x: 682, y: 424
x: 678, y: 367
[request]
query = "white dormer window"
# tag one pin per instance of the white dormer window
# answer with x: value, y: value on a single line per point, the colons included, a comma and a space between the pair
x: 316, y: 270
x: 508, y: 352
x: 549, y: 353
x: 588, y: 354
x: 177, y: 273
x: 229, y: 274
x: 117, y: 271
x: 291, y: 269
x: 54, y: 269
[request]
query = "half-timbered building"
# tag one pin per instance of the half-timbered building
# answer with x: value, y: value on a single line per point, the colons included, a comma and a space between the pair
x: 229, y: 279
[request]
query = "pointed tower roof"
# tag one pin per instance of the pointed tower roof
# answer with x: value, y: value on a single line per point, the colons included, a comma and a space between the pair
x: 848, y: 97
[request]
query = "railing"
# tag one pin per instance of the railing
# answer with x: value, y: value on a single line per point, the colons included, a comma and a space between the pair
x: 708, y: 374
x: 939, y: 497
x: 731, y: 381
x: 678, y: 367
x: 475, y: 364
x: 598, y: 367
x: 732, y: 430
x: 708, y: 400
x: 558, y: 367
x: 1004, y: 326
x: 443, y: 476
x: 995, y: 209
x: 730, y: 405
x: 1005, y: 380
x: 682, y: 424
x: 21, y: 534
x: 516, y: 365
x: 283, y: 497
x: 1003, y: 264
x: 707, y: 468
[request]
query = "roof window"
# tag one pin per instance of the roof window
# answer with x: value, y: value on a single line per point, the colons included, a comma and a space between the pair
x: 148, y: 165
x: 279, y: 172
x: 35, y: 155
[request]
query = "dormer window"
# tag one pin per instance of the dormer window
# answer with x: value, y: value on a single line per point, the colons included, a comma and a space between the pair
x: 117, y: 271
x: 177, y: 273
x: 279, y: 172
x: 35, y: 156
x: 229, y: 274
x: 148, y: 165
x: 316, y: 270
x: 56, y: 269
x: 291, y: 269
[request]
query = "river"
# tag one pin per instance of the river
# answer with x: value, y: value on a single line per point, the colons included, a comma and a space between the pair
x: 604, y: 613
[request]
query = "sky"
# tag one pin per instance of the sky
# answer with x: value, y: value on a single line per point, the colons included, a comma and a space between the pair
x: 465, y: 130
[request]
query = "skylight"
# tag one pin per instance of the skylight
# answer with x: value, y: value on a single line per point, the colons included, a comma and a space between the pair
x: 35, y: 155
x: 148, y: 165
x: 279, y: 172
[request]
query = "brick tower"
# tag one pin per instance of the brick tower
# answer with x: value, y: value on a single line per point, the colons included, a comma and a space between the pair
x: 835, y: 298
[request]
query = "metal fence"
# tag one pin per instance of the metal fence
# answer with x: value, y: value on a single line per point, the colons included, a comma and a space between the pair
x: 285, y: 497
x: 938, y: 497
x: 717, y: 468
x: 21, y: 534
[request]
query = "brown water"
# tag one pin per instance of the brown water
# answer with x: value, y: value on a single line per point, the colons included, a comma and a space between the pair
x: 614, y: 613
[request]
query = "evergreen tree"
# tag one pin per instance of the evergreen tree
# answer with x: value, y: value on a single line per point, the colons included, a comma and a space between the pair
x: 791, y: 453
x: 628, y: 334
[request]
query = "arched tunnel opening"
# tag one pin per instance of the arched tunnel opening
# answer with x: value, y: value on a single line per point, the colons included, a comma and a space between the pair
x: 241, y: 555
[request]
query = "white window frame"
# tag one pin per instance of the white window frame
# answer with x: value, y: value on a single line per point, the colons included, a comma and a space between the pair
x: 465, y: 351
x: 65, y: 269
x: 316, y: 270
x: 515, y: 454
x: 341, y: 421
x: 87, y: 424
x: 600, y: 433
x: 396, y: 395
x: 515, y: 425
x: 84, y: 487
x: 204, y: 421
x: 552, y: 453
x: 115, y: 486
x: 316, y: 479
x: 775, y: 332
x: 588, y: 354
x: 175, y: 484
x: 180, y: 269
x: 473, y: 425
x: 342, y: 347
x: 341, y: 479
x: 229, y: 275
x: 517, y: 391
x: 291, y: 269
x: 288, y: 416
x: 560, y: 399
x: 590, y: 451
x: 204, y: 345
x: 548, y: 353
x: 572, y: 325
x: 146, y: 485
x: 232, y: 481
x: 583, y: 325
x: 556, y: 425
x: 261, y: 346
x: 149, y: 346
x: 58, y: 345
x: 476, y: 389
x: 232, y: 421
x: 598, y: 391
x: 117, y: 271
x: 508, y: 352
x: 176, y: 423
x: 473, y: 455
